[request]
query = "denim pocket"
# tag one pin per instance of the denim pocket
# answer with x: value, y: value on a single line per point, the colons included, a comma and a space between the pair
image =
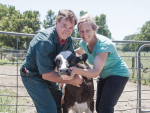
x: 25, y: 79
x: 23, y: 76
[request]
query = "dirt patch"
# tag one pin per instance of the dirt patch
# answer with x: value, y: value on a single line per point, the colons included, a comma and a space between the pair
x: 126, y: 104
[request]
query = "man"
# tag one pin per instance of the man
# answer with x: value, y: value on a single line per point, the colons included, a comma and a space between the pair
x: 37, y: 71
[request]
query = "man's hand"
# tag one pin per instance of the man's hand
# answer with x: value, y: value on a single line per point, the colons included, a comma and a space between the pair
x: 77, y: 80
x: 54, y: 77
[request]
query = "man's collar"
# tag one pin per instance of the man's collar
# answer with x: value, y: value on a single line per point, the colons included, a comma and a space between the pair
x: 56, y: 37
x: 61, y: 42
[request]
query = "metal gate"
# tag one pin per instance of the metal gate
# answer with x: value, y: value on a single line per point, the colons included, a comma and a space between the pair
x: 139, y: 89
x: 17, y: 54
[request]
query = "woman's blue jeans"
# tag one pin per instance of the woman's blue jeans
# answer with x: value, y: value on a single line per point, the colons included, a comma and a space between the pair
x: 108, y: 92
x: 46, y: 95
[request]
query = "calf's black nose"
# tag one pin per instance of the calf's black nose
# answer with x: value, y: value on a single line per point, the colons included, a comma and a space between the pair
x: 65, y: 71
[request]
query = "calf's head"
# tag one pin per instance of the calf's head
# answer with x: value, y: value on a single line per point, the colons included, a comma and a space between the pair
x: 66, y: 59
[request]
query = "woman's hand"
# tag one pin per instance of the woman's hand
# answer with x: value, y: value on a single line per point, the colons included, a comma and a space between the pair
x: 74, y: 71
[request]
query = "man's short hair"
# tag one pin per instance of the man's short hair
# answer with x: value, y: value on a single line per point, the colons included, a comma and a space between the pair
x: 67, y: 14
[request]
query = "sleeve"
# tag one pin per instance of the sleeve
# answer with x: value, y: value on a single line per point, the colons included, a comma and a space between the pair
x: 81, y: 44
x: 103, y: 47
x: 44, y: 52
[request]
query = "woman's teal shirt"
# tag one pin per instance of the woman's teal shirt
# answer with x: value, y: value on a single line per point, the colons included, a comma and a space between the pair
x: 114, y: 65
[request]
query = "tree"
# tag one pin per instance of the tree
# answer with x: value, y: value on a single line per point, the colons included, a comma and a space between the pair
x: 7, y: 19
x: 74, y: 35
x: 82, y: 13
x: 77, y: 35
x: 7, y: 11
x: 130, y: 37
x: 103, y: 28
x: 50, y: 19
x: 144, y: 35
x: 14, y: 21
x: 31, y: 24
x: 126, y: 47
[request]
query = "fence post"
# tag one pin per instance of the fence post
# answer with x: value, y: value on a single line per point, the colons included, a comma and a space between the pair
x: 17, y: 79
x: 1, y: 56
x: 133, y: 66
x: 139, y: 78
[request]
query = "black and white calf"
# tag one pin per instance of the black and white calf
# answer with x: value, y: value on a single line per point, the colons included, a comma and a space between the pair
x: 80, y: 99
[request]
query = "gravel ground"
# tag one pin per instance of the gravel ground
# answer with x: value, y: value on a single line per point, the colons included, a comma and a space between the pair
x: 126, y: 104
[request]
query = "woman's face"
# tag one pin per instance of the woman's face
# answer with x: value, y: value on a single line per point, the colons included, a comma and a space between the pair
x: 86, y: 31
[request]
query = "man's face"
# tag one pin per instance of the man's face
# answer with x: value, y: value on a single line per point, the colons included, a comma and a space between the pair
x: 64, y: 28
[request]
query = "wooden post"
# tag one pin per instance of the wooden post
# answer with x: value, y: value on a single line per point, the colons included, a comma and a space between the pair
x: 1, y: 56
x: 133, y: 70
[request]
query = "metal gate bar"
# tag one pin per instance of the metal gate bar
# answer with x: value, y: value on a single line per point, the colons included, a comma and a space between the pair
x: 139, y: 79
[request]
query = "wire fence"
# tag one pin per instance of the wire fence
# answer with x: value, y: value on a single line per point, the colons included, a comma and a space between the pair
x: 135, y: 98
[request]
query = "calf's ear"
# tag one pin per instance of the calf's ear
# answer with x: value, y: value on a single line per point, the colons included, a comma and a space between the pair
x: 82, y: 58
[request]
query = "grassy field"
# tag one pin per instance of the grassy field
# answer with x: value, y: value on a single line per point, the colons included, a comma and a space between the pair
x: 10, y: 62
x: 10, y: 100
x: 132, y: 62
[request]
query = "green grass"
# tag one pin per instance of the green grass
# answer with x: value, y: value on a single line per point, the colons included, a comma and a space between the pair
x: 3, y: 61
x: 145, y: 61
x: 10, y: 101
x: 8, y: 62
x: 128, y: 57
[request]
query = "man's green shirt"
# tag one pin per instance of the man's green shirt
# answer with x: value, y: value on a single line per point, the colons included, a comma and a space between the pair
x: 43, y: 49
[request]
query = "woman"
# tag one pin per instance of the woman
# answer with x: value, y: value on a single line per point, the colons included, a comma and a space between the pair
x: 111, y: 71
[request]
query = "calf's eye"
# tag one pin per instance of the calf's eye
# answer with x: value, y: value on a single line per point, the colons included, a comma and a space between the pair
x: 57, y: 62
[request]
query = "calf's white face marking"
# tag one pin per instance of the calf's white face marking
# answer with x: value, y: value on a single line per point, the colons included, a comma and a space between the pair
x: 63, y: 63
x: 65, y: 60
x: 63, y: 67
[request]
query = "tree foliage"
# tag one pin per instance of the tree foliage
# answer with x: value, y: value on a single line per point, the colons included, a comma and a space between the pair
x: 126, y: 46
x: 82, y: 13
x: 102, y: 26
x: 50, y: 19
x: 77, y: 35
x: 129, y: 37
x: 12, y: 20
x: 144, y: 35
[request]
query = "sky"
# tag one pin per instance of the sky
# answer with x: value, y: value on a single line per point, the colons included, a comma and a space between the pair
x: 124, y: 17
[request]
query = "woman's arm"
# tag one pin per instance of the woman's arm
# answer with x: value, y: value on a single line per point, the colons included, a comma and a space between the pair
x: 97, y: 67
x: 79, y: 51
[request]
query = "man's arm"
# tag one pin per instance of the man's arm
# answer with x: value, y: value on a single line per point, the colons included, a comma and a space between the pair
x: 54, y: 77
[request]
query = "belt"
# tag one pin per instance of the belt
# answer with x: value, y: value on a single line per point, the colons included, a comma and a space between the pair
x: 30, y: 74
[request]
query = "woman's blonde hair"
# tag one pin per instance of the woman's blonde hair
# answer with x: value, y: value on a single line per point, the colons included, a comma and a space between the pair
x: 88, y: 18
